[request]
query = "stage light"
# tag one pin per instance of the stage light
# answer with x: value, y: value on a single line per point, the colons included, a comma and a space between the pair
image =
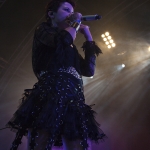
x: 109, y: 37
x: 113, y: 44
x: 107, y: 43
x: 120, y: 67
x: 107, y: 33
x: 108, y: 40
x: 105, y: 39
x: 109, y: 46
x: 102, y: 35
x: 111, y: 41
x: 123, y: 65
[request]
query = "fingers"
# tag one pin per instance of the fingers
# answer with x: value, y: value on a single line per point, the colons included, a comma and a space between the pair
x: 76, y: 16
x: 84, y: 26
x: 77, y: 13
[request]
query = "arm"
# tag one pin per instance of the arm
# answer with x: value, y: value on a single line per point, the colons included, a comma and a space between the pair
x: 87, y: 65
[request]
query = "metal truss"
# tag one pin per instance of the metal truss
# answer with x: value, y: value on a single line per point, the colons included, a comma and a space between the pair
x: 2, y: 2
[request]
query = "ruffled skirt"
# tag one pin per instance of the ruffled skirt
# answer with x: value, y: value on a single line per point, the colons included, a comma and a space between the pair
x: 56, y: 104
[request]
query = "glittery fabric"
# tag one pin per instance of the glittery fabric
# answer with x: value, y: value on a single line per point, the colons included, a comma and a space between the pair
x: 56, y: 104
x: 70, y: 70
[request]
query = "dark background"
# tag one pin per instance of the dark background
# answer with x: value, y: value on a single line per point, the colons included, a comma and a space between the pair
x: 121, y: 95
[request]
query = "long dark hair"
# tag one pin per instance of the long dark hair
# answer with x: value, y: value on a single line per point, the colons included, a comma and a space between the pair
x: 53, y: 5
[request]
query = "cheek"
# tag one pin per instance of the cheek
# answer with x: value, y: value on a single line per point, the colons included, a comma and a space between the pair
x: 62, y: 16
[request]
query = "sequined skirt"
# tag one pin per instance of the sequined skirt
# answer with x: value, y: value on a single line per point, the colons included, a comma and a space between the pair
x: 56, y: 104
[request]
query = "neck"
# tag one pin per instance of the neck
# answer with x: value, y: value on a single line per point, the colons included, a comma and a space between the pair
x: 60, y: 25
x: 54, y: 24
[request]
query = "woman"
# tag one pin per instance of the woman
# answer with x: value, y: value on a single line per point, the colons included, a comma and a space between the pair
x: 55, y: 108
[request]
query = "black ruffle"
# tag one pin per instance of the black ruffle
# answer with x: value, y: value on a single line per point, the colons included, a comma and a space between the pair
x: 91, y: 48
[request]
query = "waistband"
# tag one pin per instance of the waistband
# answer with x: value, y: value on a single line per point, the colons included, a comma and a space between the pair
x: 69, y: 70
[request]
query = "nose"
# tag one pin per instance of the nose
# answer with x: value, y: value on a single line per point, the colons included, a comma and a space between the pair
x: 71, y: 13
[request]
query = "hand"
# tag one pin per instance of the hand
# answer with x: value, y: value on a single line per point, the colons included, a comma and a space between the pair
x: 84, y: 29
x: 73, y: 17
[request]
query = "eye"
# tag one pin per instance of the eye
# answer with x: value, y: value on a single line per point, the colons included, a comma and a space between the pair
x: 67, y: 9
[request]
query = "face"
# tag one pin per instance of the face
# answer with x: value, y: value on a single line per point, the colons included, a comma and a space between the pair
x: 59, y: 17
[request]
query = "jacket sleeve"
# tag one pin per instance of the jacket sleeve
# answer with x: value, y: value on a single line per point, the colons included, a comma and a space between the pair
x: 87, y: 64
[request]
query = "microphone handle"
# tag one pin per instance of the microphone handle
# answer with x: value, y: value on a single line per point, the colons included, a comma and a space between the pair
x: 91, y: 17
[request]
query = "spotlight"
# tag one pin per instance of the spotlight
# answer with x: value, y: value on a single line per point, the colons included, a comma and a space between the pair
x: 120, y: 67
x: 123, y: 65
x: 107, y: 43
x: 107, y: 33
x: 109, y: 37
x: 108, y: 40
x: 109, y: 46
x: 113, y: 44
x: 102, y: 35
x: 105, y: 39
x: 111, y: 41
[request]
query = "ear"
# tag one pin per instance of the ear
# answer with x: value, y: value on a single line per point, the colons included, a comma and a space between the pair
x: 51, y: 14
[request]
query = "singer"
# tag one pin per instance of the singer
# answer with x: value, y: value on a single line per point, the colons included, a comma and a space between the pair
x: 54, y: 112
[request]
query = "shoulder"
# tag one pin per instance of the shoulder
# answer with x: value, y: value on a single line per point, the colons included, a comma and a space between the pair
x: 46, y: 28
x: 45, y: 34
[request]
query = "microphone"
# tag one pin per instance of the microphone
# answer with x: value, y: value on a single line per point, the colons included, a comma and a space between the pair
x: 91, y: 17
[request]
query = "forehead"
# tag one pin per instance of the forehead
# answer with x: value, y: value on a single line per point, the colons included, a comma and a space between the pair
x: 68, y: 5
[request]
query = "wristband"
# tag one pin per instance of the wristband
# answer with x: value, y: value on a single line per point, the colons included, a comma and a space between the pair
x: 76, y: 25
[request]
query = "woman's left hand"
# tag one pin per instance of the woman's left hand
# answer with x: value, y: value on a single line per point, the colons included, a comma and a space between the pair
x: 84, y: 29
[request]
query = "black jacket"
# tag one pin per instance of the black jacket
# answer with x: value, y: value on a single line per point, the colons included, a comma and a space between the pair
x: 53, y: 49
